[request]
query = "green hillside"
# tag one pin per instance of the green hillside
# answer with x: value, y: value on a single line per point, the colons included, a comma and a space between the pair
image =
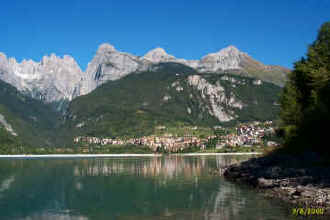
x: 273, y: 74
x: 136, y: 104
x: 33, y: 121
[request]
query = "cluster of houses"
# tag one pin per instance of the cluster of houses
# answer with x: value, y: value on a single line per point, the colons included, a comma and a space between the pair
x: 249, y: 135
x: 245, y: 135
x: 166, y: 143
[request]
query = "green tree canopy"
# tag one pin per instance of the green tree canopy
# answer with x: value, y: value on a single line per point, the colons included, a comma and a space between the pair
x: 305, y: 102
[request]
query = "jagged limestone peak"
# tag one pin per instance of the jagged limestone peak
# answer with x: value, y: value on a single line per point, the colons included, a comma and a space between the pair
x: 52, y: 79
x: 105, y: 48
x: 227, y: 58
x: 107, y: 64
x: 230, y: 49
x: 3, y: 56
x: 3, y: 62
x: 158, y: 55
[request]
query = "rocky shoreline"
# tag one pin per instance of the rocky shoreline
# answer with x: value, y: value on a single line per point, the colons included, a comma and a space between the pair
x: 296, y: 180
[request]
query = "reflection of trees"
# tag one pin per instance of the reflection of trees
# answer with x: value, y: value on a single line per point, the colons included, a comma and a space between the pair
x: 142, y: 188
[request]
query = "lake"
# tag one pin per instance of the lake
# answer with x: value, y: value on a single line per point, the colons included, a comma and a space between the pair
x: 169, y: 187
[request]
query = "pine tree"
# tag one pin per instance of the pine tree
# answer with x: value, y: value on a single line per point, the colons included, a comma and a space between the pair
x: 305, y: 101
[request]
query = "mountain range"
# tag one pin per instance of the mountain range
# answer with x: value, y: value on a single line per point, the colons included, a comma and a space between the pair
x: 120, y: 94
x: 59, y: 80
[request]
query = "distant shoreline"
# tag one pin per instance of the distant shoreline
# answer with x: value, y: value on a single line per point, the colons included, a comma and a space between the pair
x: 116, y: 155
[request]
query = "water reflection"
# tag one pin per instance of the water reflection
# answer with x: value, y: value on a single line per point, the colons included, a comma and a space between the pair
x: 6, y: 183
x: 166, y: 167
x: 53, y: 216
x: 172, y: 187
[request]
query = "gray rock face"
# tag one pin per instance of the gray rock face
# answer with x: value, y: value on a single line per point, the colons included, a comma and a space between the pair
x: 158, y: 55
x: 109, y: 64
x: 225, y: 59
x: 7, y: 126
x: 219, y: 102
x: 53, y: 79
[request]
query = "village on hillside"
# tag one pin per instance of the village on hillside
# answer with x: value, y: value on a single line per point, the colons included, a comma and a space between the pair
x: 244, y: 135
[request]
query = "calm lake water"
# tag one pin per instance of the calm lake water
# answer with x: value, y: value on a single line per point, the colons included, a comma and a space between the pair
x: 173, y: 187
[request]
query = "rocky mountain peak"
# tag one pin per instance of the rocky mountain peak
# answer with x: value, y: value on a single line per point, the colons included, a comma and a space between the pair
x: 108, y: 64
x: 3, y: 56
x: 68, y: 57
x: 53, y: 79
x: 227, y: 58
x: 27, y: 62
x: 105, y: 48
x: 230, y: 49
x: 3, y: 61
x: 12, y: 60
x: 158, y: 55
x: 52, y: 58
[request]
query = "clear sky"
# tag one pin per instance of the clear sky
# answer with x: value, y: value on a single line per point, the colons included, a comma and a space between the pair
x: 271, y: 31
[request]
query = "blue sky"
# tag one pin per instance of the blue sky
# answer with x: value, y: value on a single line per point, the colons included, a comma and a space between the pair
x: 273, y: 32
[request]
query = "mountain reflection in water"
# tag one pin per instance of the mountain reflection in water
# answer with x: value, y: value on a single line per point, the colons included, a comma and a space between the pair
x: 172, y: 187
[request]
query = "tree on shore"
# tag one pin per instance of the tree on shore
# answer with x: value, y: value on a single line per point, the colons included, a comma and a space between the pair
x: 305, y: 101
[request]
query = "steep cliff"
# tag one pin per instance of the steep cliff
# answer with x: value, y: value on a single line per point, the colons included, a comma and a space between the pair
x: 52, y: 80
x: 108, y: 64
